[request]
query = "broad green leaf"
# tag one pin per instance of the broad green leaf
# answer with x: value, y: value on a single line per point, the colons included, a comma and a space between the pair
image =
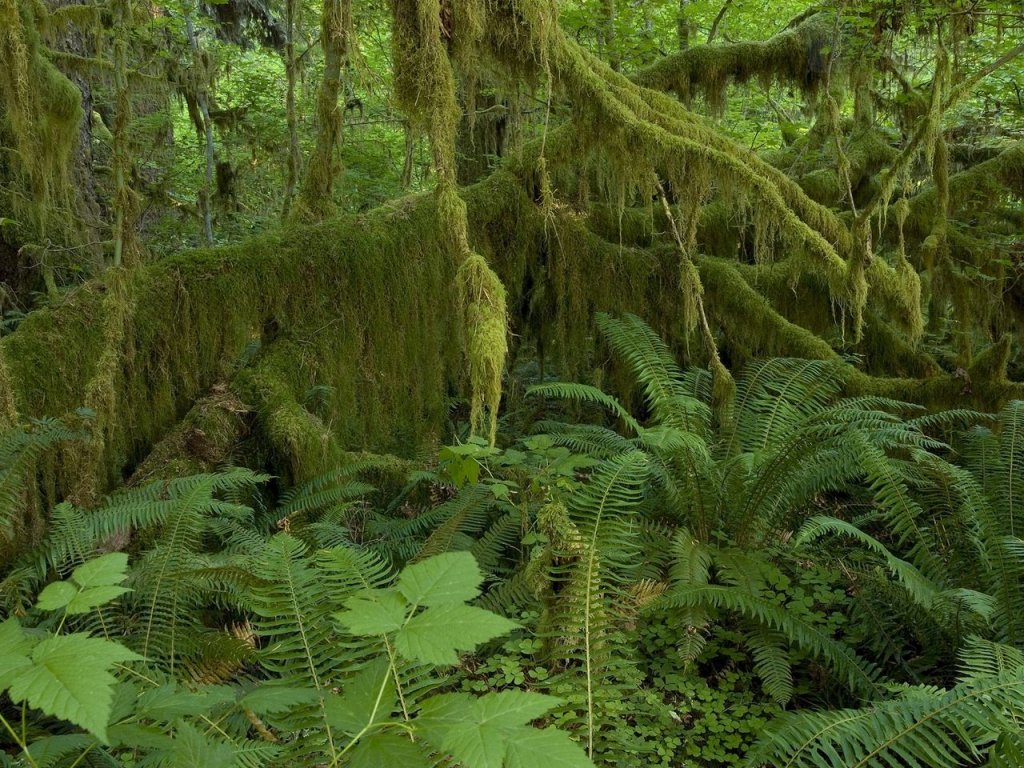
x: 387, y: 750
x: 453, y: 577
x: 90, y: 598
x: 275, y: 699
x: 104, y: 571
x: 373, y: 612
x: 96, y: 582
x: 476, y: 745
x: 513, y: 708
x: 435, y: 636
x: 368, y: 698
x: 70, y: 678
x: 56, y: 596
x: 11, y: 666
x: 15, y: 647
x: 478, y: 731
x: 548, y: 748
x: 439, y: 713
x: 450, y: 722
x: 13, y: 638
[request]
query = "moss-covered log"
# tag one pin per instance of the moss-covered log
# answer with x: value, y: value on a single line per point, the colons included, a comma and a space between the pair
x: 204, y: 440
x: 361, y: 310
x: 360, y: 307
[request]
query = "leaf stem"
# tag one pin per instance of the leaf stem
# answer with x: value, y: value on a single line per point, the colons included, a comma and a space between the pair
x: 18, y: 740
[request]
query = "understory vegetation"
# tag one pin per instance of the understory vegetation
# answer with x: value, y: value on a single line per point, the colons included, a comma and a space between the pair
x: 511, y: 383
x: 805, y: 579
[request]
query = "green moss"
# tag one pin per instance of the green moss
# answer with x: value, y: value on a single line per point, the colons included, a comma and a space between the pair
x: 204, y: 440
x: 425, y: 84
x: 354, y: 283
x: 362, y: 306
x: 485, y: 323
x: 8, y: 409
x: 749, y: 320
x: 316, y: 196
x: 40, y: 113
x: 796, y: 56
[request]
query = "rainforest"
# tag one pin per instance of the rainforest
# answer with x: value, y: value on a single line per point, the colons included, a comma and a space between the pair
x: 511, y: 383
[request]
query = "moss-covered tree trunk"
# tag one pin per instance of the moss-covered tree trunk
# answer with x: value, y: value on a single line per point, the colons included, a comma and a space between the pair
x: 316, y: 197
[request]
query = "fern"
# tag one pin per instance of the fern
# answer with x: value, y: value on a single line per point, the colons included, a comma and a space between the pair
x: 20, y: 450
x: 595, y: 540
x: 291, y: 602
x: 978, y: 719
x: 584, y: 393
x: 673, y: 399
x: 859, y: 674
x: 922, y: 590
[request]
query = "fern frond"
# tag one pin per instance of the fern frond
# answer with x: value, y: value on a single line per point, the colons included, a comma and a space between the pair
x: 774, y: 396
x: 328, y: 489
x: 20, y: 448
x: 467, y: 513
x: 584, y: 393
x: 291, y: 603
x: 597, y: 545
x: 922, y: 727
x: 924, y: 592
x: 859, y: 675
x: 771, y: 664
x: 670, y: 401
x: 983, y: 658
x: 586, y: 439
x: 502, y: 536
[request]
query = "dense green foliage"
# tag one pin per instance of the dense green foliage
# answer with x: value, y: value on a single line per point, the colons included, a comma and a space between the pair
x: 511, y: 383
x: 672, y: 586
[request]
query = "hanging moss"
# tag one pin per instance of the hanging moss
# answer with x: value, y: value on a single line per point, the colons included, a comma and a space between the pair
x: 981, y: 185
x: 749, y: 319
x: 8, y: 409
x: 40, y: 114
x: 638, y: 130
x: 425, y: 84
x: 483, y: 301
x: 102, y: 395
x: 359, y: 345
x: 797, y: 56
x: 193, y: 315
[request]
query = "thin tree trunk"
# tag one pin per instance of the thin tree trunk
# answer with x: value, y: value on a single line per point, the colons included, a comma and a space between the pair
x: 291, y: 11
x: 318, y: 185
x: 609, y: 40
x: 684, y: 26
x: 718, y: 21
x: 410, y: 155
x: 121, y: 162
x: 203, y: 100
